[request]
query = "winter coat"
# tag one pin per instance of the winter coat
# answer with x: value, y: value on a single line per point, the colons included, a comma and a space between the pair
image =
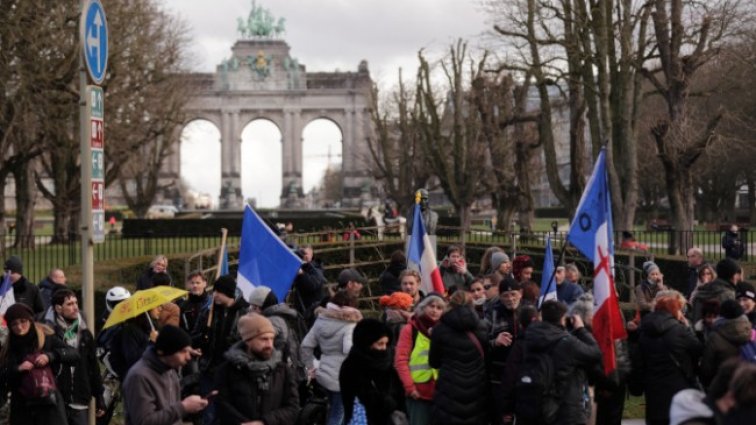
x: 645, y: 294
x: 216, y: 339
x: 462, y: 389
x: 27, y: 293
x: 290, y: 330
x: 718, y: 290
x: 127, y: 345
x: 145, y: 280
x: 669, y: 352
x: 332, y: 332
x: 575, y: 353
x: 369, y: 375
x: 308, y: 289
x: 500, y: 319
x: 568, y: 292
x: 404, y: 348
x: 81, y: 380
x: 251, y: 389
x: 451, y: 277
x: 732, y: 245
x: 389, y: 280
x: 22, y: 411
x: 192, y: 308
x: 724, y: 342
x: 152, y: 393
x: 46, y: 288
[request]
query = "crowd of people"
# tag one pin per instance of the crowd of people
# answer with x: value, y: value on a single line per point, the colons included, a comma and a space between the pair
x: 483, y: 352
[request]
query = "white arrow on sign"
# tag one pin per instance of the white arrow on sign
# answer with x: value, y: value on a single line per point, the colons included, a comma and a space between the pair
x: 93, y: 41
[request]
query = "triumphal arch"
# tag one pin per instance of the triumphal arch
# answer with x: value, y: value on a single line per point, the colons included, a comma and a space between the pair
x: 261, y: 80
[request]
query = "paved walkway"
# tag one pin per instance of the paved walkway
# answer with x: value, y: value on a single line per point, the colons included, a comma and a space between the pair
x: 633, y: 422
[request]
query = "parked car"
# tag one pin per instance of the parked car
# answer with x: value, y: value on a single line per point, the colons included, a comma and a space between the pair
x: 162, y: 211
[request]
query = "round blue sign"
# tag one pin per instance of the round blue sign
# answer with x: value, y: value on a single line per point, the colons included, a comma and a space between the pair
x: 94, y: 40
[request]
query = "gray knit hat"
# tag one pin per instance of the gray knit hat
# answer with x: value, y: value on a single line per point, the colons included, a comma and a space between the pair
x: 433, y: 296
x: 497, y: 259
x: 648, y: 267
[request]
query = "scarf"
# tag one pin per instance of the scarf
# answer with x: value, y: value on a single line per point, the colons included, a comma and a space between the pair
x: 423, y: 324
x: 70, y: 330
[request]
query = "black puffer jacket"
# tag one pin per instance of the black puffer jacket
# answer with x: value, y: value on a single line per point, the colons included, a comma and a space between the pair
x: 573, y: 355
x: 369, y: 375
x: 27, y: 293
x: 669, y: 352
x: 719, y: 290
x: 389, y: 279
x: 462, y: 388
x: 250, y: 389
x: 216, y: 339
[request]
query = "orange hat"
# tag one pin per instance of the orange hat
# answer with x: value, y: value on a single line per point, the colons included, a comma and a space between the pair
x: 401, y: 300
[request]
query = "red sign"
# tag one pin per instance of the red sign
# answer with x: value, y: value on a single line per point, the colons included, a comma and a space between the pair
x: 98, y: 195
x: 96, y: 136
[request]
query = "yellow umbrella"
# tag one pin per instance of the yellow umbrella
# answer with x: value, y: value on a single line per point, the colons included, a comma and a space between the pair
x: 141, y: 302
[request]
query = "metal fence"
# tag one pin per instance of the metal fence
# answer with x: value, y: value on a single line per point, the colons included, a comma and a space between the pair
x: 40, y: 255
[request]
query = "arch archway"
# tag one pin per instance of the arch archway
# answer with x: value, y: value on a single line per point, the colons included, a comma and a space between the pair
x: 200, y: 168
x: 322, y: 147
x: 261, y: 162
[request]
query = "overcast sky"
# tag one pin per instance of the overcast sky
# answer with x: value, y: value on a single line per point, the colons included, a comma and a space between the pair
x: 324, y: 35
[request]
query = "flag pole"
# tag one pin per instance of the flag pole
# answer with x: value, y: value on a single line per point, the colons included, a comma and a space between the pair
x: 553, y: 273
x: 224, y: 236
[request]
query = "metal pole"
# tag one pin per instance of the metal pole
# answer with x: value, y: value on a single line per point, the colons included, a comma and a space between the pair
x: 85, y: 230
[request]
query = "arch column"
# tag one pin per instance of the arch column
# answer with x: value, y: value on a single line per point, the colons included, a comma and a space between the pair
x: 230, y: 195
x: 291, y: 189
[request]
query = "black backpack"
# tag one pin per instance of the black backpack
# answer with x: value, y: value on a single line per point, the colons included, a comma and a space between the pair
x: 535, y: 390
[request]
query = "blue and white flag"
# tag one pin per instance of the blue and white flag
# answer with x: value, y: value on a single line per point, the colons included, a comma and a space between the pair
x: 548, y: 280
x: 7, y: 298
x: 264, y: 259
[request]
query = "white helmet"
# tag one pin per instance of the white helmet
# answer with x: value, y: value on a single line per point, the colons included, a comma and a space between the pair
x: 115, y: 295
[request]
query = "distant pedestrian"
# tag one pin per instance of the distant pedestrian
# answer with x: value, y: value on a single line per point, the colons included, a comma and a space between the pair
x: 389, y: 279
x: 24, y: 291
x: 158, y: 265
x: 54, y: 280
x: 732, y: 244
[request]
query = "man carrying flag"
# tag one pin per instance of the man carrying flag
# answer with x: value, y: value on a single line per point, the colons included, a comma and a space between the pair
x: 591, y: 233
x: 422, y: 254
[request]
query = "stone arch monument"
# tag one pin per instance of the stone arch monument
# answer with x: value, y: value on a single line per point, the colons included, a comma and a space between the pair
x: 261, y: 80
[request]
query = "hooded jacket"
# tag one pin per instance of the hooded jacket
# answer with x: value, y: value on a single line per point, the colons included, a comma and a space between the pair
x: 27, y: 293
x: 389, y: 279
x: 688, y: 405
x: 290, y: 330
x: 577, y: 353
x: 461, y: 395
x: 251, y: 389
x: 332, y: 332
x: 717, y: 290
x: 451, y: 275
x: 152, y: 393
x: 669, y: 352
x: 724, y: 342
x: 46, y: 288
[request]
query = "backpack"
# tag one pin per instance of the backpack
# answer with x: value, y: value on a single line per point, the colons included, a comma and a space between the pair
x: 38, y: 384
x: 535, y: 390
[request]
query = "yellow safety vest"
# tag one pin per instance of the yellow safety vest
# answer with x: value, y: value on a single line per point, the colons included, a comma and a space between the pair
x: 419, y: 368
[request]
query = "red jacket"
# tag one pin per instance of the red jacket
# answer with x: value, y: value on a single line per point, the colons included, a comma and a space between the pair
x: 404, y: 347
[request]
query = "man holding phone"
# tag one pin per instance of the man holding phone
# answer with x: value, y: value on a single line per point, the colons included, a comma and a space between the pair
x: 151, y: 391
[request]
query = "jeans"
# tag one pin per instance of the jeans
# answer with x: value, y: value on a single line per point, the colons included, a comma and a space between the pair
x: 335, y: 409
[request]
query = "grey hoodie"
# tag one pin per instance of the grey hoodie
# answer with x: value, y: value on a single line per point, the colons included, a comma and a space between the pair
x: 332, y: 332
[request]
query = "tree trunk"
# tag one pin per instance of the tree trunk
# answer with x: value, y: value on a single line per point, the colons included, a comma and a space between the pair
x: 24, y: 206
x: 523, y: 155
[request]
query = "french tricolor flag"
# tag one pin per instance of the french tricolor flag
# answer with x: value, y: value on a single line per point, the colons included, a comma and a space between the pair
x: 421, y: 253
x: 6, y: 294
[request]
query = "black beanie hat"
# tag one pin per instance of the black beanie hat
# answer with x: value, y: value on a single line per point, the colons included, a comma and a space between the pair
x: 161, y: 279
x: 369, y: 331
x: 727, y: 268
x: 171, y: 339
x: 226, y: 285
x: 14, y: 265
x: 509, y: 284
x: 730, y: 309
x: 18, y: 311
x: 745, y: 290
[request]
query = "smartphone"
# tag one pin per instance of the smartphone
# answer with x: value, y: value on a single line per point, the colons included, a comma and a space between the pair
x: 211, y: 395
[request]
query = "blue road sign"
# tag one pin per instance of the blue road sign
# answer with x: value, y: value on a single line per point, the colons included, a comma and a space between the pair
x: 94, y: 40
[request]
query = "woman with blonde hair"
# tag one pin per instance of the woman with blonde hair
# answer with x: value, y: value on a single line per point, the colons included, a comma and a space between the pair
x: 706, y: 275
x: 669, y: 352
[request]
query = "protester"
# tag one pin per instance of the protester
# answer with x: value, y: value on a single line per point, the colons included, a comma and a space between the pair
x: 457, y: 351
x: 332, y: 334
x: 573, y: 276
x: 30, y: 346
x: 645, y: 293
x: 308, y: 285
x: 669, y: 353
x: 522, y: 270
x: 453, y: 269
x: 389, y: 281
x: 504, y: 398
x: 54, y: 280
x: 478, y: 294
x: 503, y: 321
x: 158, y: 265
x: 501, y: 264
x: 411, y: 360
x: 197, y: 303
x: 397, y: 312
x: 731, y: 330
x: 721, y: 289
x: 130, y: 340
x: 705, y: 275
x: 410, y: 281
x: 367, y: 374
x: 567, y: 292
x: 732, y: 244
x: 24, y: 291
x: 695, y: 261
x: 151, y: 391
x: 351, y: 281
x: 255, y: 384
x: 746, y: 295
x: 485, y: 260
x: 694, y: 407
x: 81, y: 380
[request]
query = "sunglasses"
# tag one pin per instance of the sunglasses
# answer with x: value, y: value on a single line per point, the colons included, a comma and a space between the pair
x: 487, y: 287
